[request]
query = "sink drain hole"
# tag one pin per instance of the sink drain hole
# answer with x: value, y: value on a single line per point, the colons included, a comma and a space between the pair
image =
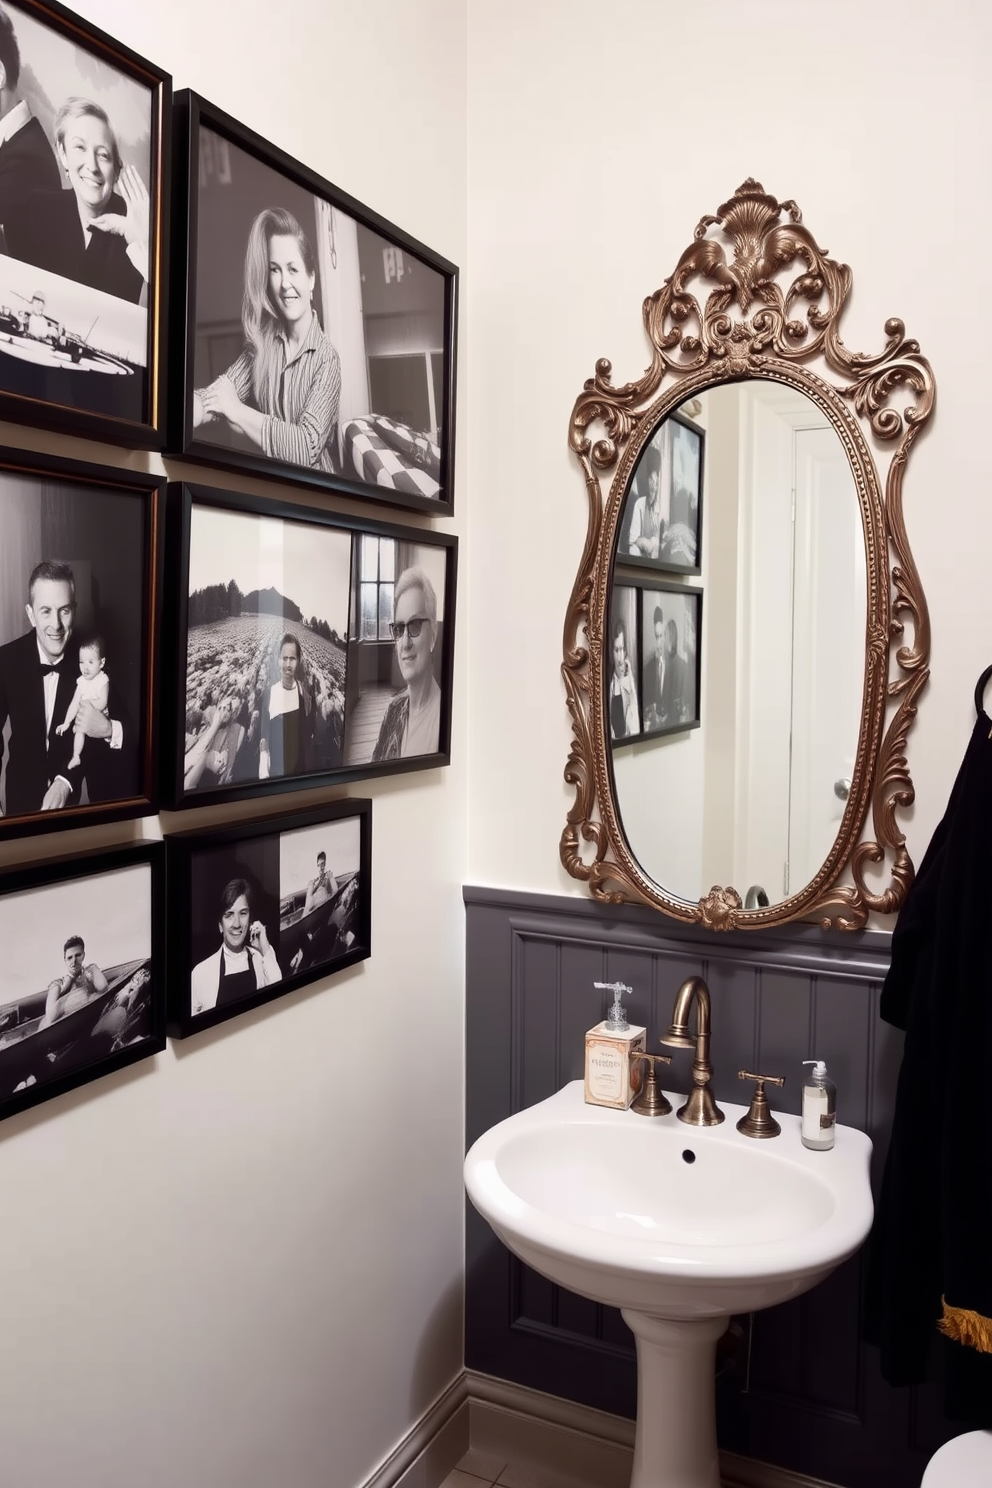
x: 689, y: 1157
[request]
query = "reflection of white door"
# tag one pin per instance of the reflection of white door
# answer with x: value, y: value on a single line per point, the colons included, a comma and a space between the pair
x: 829, y: 599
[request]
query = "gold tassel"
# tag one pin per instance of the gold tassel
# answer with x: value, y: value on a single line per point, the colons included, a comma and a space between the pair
x: 967, y: 1327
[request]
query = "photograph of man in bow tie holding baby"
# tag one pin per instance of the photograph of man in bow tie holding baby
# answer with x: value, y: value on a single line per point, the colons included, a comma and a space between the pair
x: 71, y: 653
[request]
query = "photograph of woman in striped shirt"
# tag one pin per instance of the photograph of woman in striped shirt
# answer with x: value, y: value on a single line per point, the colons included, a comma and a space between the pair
x: 283, y: 391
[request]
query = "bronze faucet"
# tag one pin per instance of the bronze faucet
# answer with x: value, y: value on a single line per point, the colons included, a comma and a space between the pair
x: 700, y: 1109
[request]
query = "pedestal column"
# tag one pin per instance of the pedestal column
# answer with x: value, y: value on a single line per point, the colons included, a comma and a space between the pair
x: 675, y: 1446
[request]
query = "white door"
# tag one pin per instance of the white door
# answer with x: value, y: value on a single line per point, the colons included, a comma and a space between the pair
x: 830, y: 606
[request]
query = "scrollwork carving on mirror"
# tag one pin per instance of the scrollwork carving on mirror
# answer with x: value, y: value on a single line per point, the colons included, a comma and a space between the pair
x: 754, y: 305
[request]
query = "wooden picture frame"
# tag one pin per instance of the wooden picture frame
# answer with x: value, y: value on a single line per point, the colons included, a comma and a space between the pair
x: 81, y: 552
x: 314, y: 340
x: 259, y: 908
x: 256, y: 580
x: 83, y: 311
x: 66, y: 1019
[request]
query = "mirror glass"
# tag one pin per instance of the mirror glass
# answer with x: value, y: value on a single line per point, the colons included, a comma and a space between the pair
x: 734, y: 663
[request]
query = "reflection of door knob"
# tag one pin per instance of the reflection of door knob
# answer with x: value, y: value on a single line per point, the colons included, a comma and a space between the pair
x: 842, y: 789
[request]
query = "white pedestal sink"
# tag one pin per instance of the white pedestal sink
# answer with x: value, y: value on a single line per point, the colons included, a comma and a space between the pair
x: 678, y: 1226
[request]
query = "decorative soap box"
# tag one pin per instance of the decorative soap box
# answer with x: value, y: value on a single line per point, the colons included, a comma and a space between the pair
x: 610, y: 1081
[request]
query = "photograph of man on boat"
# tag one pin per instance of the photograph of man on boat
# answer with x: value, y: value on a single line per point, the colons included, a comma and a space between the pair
x: 321, y: 882
x: 76, y: 977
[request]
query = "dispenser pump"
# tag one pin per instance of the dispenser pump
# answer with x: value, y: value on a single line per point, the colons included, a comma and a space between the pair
x: 616, y: 1017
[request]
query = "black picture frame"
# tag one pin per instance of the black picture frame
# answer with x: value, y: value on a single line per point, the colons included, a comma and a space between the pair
x: 375, y: 392
x: 672, y: 541
x: 225, y: 646
x: 102, y: 528
x: 622, y: 681
x: 673, y: 706
x: 90, y: 1030
x: 258, y: 870
x: 82, y: 341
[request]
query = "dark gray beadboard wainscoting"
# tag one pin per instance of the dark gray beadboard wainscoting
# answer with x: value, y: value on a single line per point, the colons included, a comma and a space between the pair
x: 806, y: 1395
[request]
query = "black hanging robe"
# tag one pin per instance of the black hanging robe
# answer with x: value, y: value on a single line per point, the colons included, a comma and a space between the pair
x: 930, y: 1252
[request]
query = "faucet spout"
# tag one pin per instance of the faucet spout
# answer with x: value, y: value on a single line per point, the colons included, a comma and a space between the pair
x: 678, y: 1034
x: 700, y: 1109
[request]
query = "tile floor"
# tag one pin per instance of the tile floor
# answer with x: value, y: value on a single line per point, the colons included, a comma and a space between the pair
x: 480, y: 1470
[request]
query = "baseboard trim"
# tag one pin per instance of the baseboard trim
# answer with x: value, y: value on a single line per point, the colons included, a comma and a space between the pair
x: 504, y: 1395
x: 432, y: 1447
x: 747, y: 1472
x: 593, y: 1443
x: 500, y: 1418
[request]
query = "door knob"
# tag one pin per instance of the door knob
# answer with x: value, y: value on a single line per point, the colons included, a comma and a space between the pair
x: 842, y: 789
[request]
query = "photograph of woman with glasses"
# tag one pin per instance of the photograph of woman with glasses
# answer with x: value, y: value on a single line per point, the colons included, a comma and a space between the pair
x: 412, y: 721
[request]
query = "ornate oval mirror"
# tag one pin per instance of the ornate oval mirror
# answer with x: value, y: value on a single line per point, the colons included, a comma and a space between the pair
x: 737, y: 662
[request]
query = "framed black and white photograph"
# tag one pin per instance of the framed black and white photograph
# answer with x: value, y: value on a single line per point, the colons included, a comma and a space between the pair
x: 80, y: 595
x: 671, y: 622
x: 82, y: 987
x: 661, y: 522
x: 400, y: 696
x: 317, y: 342
x: 309, y: 647
x: 623, y: 707
x: 260, y: 908
x: 85, y: 129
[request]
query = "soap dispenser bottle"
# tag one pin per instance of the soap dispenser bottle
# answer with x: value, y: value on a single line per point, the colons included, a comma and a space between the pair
x: 610, y: 1080
x: 819, y: 1108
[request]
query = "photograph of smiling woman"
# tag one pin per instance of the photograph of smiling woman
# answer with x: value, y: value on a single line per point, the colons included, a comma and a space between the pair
x: 282, y: 393
x: 317, y: 340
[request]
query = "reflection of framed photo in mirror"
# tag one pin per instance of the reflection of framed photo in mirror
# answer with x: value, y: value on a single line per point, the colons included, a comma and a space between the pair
x: 82, y: 984
x: 662, y: 520
x: 261, y: 908
x: 309, y: 647
x: 80, y: 594
x: 316, y: 343
x: 622, y: 701
x: 671, y: 625
x: 85, y: 141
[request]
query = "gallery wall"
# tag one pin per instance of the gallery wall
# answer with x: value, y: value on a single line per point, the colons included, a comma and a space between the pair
x: 203, y: 1280
x: 630, y: 123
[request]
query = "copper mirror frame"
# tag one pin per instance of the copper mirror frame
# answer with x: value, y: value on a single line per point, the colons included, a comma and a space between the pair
x: 768, y: 304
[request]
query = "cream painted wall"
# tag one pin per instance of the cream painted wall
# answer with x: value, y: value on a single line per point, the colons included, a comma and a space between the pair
x: 598, y: 138
x: 240, y: 1264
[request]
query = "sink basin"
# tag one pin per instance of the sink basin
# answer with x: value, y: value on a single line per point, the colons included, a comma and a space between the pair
x: 648, y: 1213
x: 680, y: 1227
